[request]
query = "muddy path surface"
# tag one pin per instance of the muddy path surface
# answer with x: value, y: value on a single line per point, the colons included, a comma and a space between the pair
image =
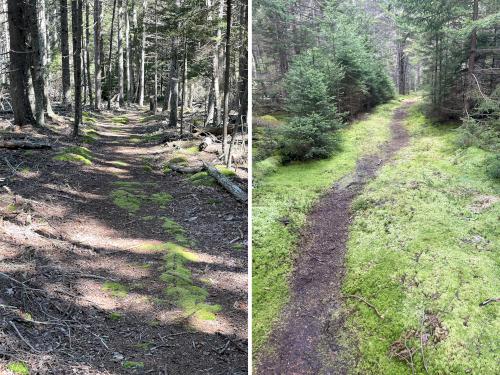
x: 115, y: 267
x: 306, y: 339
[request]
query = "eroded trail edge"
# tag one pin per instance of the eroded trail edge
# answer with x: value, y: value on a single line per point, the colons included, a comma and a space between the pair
x: 306, y: 341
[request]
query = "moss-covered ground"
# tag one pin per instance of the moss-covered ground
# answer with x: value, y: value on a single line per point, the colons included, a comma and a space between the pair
x: 424, y: 249
x: 289, y: 193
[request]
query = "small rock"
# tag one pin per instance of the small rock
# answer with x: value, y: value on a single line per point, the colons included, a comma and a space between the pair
x: 117, y: 357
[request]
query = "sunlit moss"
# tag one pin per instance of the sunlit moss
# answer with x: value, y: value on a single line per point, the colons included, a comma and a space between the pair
x: 161, y: 199
x: 118, y: 163
x: 175, y: 230
x: 132, y: 364
x: 115, y: 289
x: 123, y: 120
x: 18, y: 368
x: 127, y: 200
x: 115, y: 315
x: 75, y: 154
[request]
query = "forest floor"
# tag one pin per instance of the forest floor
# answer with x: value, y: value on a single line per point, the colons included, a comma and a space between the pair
x: 112, y: 264
x: 307, y: 332
x: 394, y: 270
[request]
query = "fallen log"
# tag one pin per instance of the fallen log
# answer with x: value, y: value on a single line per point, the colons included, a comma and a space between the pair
x: 207, y: 141
x: 14, y: 144
x: 226, y: 183
x: 183, y: 169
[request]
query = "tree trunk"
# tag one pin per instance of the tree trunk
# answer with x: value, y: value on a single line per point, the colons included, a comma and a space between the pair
x: 472, y: 60
x: 19, y: 62
x: 128, y: 67
x: 226, y: 79
x: 143, y: 54
x: 76, y: 18
x: 155, y: 99
x: 174, y: 85
x: 216, y: 74
x: 121, y: 74
x: 66, y: 72
x: 243, y: 65
x: 98, y: 52
x: 87, y: 51
x: 110, y: 54
x: 184, y: 75
x: 37, y: 17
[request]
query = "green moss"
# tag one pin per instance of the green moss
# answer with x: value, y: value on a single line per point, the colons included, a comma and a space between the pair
x: 25, y: 170
x: 146, y: 345
x: 119, y: 164
x: 192, y: 150
x: 291, y: 191
x: 12, y: 207
x: 213, y: 201
x: 166, y: 169
x: 132, y: 364
x: 151, y: 118
x: 148, y: 218
x: 134, y: 139
x: 161, y: 199
x: 202, y: 179
x: 115, y: 289
x: 87, y: 119
x: 90, y: 135
x: 153, y: 247
x: 266, y: 167
x: 115, y: 316
x: 18, y: 368
x: 175, y: 230
x: 127, y: 200
x: 180, y: 288
x: 123, y: 120
x: 424, y: 252
x: 238, y: 246
x: 75, y: 154
x: 225, y: 171
x: 179, y: 160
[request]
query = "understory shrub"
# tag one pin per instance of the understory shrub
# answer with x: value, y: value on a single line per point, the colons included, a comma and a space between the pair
x: 309, y: 137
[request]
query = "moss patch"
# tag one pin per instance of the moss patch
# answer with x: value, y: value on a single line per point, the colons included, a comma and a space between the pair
x: 115, y: 316
x: 427, y: 260
x: 181, y: 160
x: 123, y: 120
x: 131, y: 197
x: 127, y: 200
x: 115, y: 289
x: 161, y: 199
x: 175, y: 230
x: 202, y: 179
x: 18, y: 368
x: 132, y: 364
x: 118, y: 163
x: 192, y: 150
x: 75, y: 154
x: 180, y: 288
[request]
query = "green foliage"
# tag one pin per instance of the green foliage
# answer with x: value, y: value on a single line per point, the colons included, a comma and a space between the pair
x: 291, y: 192
x: 492, y: 166
x: 115, y: 316
x: 123, y: 120
x: 202, y: 179
x: 181, y: 160
x: 127, y: 200
x: 115, y: 289
x: 420, y: 248
x: 75, y: 154
x: 131, y: 197
x: 175, y: 230
x: 19, y: 368
x: 118, y: 163
x: 161, y: 199
x: 307, y: 138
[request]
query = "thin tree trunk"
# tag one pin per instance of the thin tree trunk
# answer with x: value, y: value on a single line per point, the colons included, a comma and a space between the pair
x: 66, y: 72
x: 143, y: 54
x: 19, y: 63
x: 110, y: 54
x: 121, y: 83
x: 226, y: 80
x: 472, y: 59
x: 98, y: 52
x: 87, y: 51
x: 155, y: 102
x: 174, y: 85
x: 243, y: 65
x: 76, y: 13
x: 128, y: 67
x: 184, y: 75
x: 37, y: 66
x: 216, y: 74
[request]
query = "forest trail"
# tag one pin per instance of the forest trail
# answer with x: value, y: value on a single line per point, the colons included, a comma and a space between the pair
x: 110, y: 266
x: 307, y: 339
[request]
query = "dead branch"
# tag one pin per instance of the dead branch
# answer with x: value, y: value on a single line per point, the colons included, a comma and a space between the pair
x: 367, y: 303
x: 226, y: 183
x: 182, y: 169
x: 22, y: 338
x: 14, y: 144
x: 489, y: 300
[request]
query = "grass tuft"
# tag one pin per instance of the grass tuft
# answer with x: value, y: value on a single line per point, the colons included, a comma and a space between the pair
x: 18, y: 368
x: 115, y: 289
x: 75, y: 154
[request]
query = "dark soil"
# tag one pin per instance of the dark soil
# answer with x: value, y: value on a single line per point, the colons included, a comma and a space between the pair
x: 307, y: 340
x: 62, y: 238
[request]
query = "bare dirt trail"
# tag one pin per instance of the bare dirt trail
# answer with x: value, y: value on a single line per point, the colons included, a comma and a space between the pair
x: 117, y: 268
x: 306, y: 340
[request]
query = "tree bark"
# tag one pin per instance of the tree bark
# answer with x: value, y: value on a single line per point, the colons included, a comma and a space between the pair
x: 98, y: 15
x: 243, y: 65
x: 472, y: 60
x: 37, y: 18
x: 226, y: 79
x: 143, y: 54
x: 121, y: 75
x: 87, y: 51
x: 66, y: 72
x: 110, y: 54
x: 19, y: 62
x: 155, y: 99
x: 184, y: 76
x: 76, y: 28
x: 174, y: 85
x: 128, y: 61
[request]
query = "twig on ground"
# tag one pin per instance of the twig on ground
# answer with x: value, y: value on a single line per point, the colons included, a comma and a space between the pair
x: 22, y: 338
x: 367, y: 303
x: 489, y: 300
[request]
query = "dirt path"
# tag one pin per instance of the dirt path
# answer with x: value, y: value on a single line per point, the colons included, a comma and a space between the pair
x: 306, y: 342
x: 116, y: 268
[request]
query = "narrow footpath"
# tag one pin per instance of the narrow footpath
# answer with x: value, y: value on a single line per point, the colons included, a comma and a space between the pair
x: 306, y: 339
